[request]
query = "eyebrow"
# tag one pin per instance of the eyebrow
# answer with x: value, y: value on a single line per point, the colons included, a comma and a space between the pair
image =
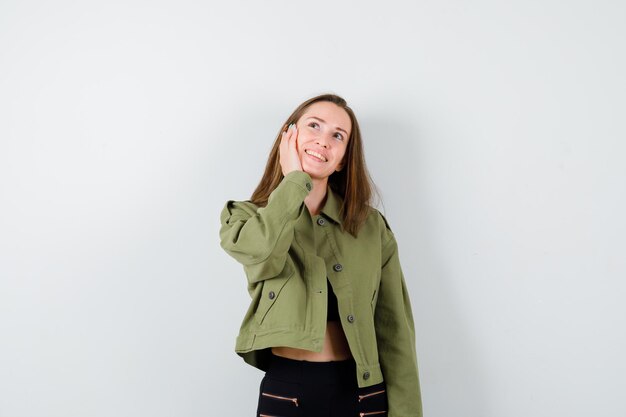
x: 323, y: 121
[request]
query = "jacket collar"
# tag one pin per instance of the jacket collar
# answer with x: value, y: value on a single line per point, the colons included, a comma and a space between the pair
x: 333, y: 204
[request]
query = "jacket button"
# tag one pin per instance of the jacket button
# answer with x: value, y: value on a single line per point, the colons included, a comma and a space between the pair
x: 350, y: 318
x: 366, y: 375
x: 321, y: 221
x: 271, y: 295
x: 308, y: 186
x: 337, y: 267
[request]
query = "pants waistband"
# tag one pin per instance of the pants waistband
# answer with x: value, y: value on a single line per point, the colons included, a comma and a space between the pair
x: 332, y: 372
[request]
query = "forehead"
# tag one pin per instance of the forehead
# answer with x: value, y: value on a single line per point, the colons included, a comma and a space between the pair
x: 331, y: 113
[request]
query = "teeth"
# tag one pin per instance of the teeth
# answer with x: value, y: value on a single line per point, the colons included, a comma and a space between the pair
x: 315, y: 154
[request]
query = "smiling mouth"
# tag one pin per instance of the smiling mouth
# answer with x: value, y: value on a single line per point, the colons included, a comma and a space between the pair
x: 315, y: 155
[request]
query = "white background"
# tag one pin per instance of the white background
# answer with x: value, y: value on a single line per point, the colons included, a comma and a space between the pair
x: 494, y: 131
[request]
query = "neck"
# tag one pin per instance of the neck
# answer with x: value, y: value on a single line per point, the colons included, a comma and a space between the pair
x: 317, y: 197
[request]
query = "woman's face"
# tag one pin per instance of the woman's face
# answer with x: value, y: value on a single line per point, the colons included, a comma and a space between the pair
x: 324, y: 129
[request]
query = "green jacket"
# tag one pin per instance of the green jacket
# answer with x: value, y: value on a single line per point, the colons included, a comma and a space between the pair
x: 287, y: 254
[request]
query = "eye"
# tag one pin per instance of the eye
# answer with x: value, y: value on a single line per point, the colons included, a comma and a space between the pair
x: 337, y: 135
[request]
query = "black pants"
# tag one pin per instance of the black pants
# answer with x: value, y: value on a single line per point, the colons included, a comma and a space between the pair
x: 293, y: 388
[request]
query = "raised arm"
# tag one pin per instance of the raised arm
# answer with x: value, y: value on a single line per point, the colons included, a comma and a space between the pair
x: 260, y: 238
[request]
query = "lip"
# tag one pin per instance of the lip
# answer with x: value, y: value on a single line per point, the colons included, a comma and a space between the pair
x: 319, y: 152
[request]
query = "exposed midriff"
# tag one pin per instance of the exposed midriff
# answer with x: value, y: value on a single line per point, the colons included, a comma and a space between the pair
x: 335, y: 348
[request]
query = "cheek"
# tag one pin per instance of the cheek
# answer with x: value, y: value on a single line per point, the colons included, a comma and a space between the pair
x: 300, y: 141
x: 299, y: 144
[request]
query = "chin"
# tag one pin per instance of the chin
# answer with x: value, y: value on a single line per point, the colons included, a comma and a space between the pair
x: 315, y: 174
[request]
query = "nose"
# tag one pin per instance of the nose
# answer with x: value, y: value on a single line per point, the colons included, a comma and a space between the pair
x: 322, y: 140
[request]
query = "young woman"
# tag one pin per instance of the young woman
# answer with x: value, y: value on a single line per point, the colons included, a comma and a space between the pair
x: 330, y: 320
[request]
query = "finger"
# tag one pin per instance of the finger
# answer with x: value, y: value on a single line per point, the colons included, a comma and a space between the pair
x: 295, y: 139
x: 283, y: 146
x: 293, y: 135
x: 285, y: 137
x: 285, y: 134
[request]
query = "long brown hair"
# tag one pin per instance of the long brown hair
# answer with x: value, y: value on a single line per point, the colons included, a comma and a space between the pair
x: 353, y: 182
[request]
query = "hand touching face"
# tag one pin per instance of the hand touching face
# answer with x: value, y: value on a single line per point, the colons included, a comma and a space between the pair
x: 288, y: 151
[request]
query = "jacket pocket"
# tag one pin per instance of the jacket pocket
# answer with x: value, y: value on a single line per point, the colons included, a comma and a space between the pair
x: 271, y: 291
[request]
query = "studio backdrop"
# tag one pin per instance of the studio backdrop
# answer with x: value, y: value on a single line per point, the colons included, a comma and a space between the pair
x: 493, y: 131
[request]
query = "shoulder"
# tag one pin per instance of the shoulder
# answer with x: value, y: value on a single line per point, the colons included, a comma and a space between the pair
x: 379, y: 217
x: 382, y: 223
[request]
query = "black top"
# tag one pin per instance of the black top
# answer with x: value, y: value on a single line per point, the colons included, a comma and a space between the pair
x: 333, y: 309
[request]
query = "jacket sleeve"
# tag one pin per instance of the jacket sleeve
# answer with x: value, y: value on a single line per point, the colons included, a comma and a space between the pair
x: 260, y: 239
x: 395, y: 334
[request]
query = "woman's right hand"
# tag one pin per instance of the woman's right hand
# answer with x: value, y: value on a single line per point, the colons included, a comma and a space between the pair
x: 288, y: 151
